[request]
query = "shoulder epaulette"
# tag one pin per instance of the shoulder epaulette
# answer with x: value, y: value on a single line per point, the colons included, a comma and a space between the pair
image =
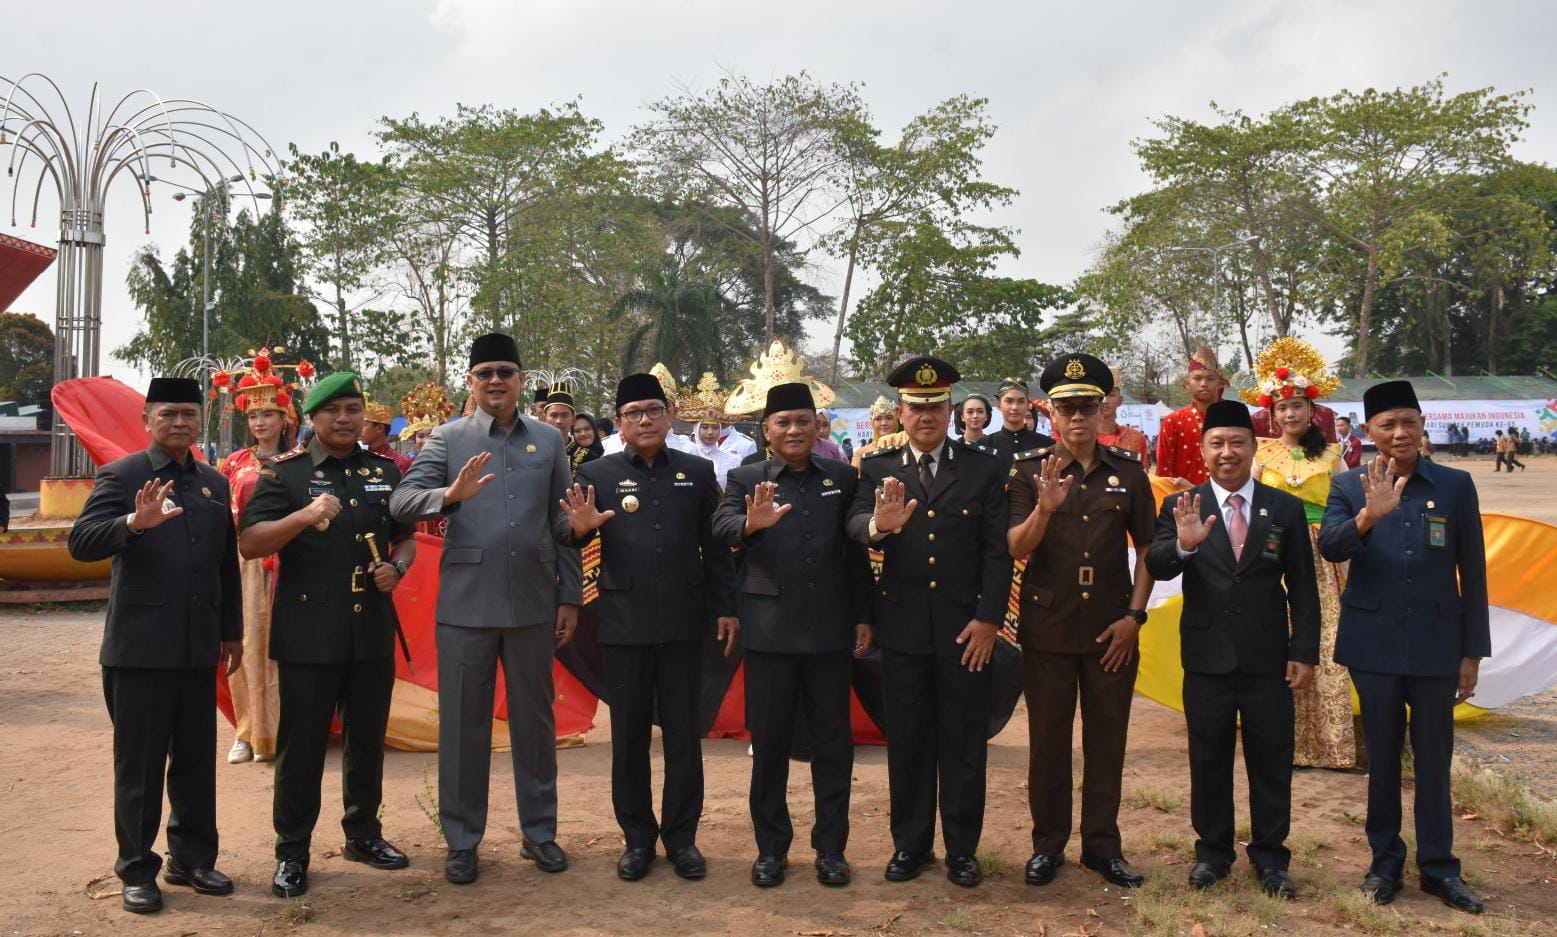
x: 380, y: 456
x: 285, y: 456
x: 1126, y: 453
x: 1032, y: 454
x: 877, y: 453
x: 975, y: 447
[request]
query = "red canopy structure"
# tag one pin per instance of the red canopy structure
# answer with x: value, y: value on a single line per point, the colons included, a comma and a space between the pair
x: 20, y: 263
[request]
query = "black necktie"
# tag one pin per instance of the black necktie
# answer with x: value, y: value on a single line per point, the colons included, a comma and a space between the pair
x: 924, y: 472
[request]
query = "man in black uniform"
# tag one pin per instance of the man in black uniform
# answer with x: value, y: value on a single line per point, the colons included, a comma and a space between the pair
x: 945, y: 579
x: 325, y: 510
x: 661, y: 573
x: 174, y: 613
x: 1013, y: 436
x: 805, y: 608
x: 1074, y: 509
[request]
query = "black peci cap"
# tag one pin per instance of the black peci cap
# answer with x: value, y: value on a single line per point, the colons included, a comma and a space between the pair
x: 792, y: 396
x: 494, y: 346
x: 640, y: 387
x: 1227, y: 413
x: 1390, y: 395
x: 174, y: 390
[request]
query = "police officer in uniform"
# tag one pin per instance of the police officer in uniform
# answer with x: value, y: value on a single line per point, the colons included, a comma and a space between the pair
x: 663, y: 574
x: 1074, y: 508
x: 1013, y: 436
x: 936, y: 510
x: 174, y: 613
x: 1414, y: 629
x: 325, y: 510
x: 805, y: 610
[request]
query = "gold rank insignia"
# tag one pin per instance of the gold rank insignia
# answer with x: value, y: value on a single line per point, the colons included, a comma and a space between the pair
x: 206, y: 492
x: 1075, y: 369
x: 530, y: 447
x: 630, y: 504
x: 363, y: 472
x: 1431, y: 505
x: 925, y: 376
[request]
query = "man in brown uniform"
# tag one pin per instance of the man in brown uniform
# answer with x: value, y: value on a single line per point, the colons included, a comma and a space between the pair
x: 1072, y: 507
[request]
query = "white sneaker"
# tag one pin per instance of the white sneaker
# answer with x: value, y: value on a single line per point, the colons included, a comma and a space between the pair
x: 240, y: 752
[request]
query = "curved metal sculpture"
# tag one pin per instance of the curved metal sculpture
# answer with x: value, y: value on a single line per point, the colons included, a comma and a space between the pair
x: 82, y: 161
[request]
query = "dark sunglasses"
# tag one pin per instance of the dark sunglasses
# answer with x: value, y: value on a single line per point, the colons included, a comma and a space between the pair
x: 486, y: 374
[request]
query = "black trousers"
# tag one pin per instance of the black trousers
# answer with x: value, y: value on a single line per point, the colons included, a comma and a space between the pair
x: 1214, y: 704
x: 1385, y: 698
x: 818, y: 684
x: 311, y: 694
x: 164, y: 724
x: 937, y: 720
x: 642, y: 679
x: 1053, y: 682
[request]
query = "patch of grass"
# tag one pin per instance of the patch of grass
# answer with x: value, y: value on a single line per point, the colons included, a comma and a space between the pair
x: 1355, y: 819
x: 1235, y: 906
x: 1490, y: 926
x: 1242, y: 832
x: 958, y: 920
x: 1475, y: 878
x: 1306, y: 846
x: 427, y: 800
x: 1154, y: 797
x: 993, y: 864
x: 1163, y: 841
x: 1504, y: 802
x: 1351, y: 908
x: 297, y: 913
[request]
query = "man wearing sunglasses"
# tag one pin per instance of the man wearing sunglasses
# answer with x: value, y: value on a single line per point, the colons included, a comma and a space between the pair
x: 1075, y: 507
x: 509, y: 590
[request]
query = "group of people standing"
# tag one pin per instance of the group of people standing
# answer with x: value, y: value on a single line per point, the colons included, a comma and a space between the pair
x: 774, y: 554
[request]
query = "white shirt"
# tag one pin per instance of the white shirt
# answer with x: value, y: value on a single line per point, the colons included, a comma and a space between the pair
x: 1222, y: 494
x: 615, y: 443
x: 723, y: 460
x: 737, y: 444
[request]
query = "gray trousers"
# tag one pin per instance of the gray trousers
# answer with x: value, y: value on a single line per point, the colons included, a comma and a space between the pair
x: 467, y: 678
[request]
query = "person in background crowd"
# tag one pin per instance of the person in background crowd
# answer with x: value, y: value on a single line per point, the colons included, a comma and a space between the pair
x: 1509, y: 445
x: 557, y: 409
x: 426, y: 407
x: 1414, y: 629
x: 1351, y: 443
x: 883, y: 427
x: 1111, y: 432
x: 973, y: 418
x: 1015, y: 433
x: 825, y: 446
x: 375, y: 434
x: 605, y: 428
x: 586, y: 440
x: 1524, y: 442
x: 1178, y: 442
x: 704, y: 409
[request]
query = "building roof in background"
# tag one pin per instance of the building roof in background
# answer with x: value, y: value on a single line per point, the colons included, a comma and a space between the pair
x: 20, y: 263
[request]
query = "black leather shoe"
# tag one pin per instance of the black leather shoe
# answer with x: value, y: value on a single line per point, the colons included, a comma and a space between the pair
x: 1278, y: 884
x: 832, y: 869
x: 634, y: 864
x: 142, y: 899
x: 1041, y: 869
x: 1454, y: 893
x: 1379, y: 889
x: 374, y: 852
x: 964, y: 871
x: 547, y: 856
x: 461, y: 866
x: 203, y: 881
x: 689, y: 863
x: 1204, y: 875
x: 291, y: 879
x: 905, y: 866
x: 768, y: 871
x: 1114, y: 870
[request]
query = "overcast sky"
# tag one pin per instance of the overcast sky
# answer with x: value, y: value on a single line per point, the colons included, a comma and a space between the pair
x: 1069, y: 84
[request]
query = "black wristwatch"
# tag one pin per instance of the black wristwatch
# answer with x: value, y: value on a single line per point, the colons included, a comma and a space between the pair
x: 400, y: 567
x: 1139, y: 614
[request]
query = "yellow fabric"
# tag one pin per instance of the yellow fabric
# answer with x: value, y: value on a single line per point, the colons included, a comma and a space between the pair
x: 1307, y: 478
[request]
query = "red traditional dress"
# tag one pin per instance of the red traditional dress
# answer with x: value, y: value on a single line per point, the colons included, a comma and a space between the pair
x: 1178, y: 446
x: 401, y: 460
x: 1130, y: 439
x: 256, y: 700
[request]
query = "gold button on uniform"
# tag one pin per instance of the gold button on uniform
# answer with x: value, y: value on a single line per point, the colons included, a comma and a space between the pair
x: 359, y: 538
x: 303, y: 598
x: 932, y: 538
x: 358, y: 608
x: 932, y: 512
x: 353, y: 502
x: 1083, y: 518
x: 1086, y: 595
x: 932, y: 583
x: 932, y: 561
x: 1085, y: 555
x: 1083, y: 486
x: 964, y: 512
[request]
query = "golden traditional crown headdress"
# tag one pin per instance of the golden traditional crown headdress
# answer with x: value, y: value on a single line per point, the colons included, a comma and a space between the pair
x: 1289, y: 367
x: 426, y: 407
x: 706, y: 404
x: 882, y: 407
x: 262, y: 384
x: 778, y: 365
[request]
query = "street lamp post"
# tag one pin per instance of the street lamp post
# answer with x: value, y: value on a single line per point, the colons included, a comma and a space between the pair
x: 81, y: 160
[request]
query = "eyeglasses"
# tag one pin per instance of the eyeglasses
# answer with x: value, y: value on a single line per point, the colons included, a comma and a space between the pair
x: 638, y: 416
x: 486, y: 374
x: 1074, y: 409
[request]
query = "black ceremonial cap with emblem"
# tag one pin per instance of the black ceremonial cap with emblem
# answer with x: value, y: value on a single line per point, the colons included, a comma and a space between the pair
x: 494, y: 346
x: 1390, y: 395
x: 795, y: 395
x: 174, y: 390
x: 1076, y: 375
x: 1227, y: 413
x: 925, y: 379
x: 639, y: 387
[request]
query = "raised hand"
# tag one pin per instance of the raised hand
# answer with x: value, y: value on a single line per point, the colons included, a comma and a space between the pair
x: 469, y: 480
x: 1192, y: 530
x: 762, y: 511
x: 582, y: 514
x: 1052, y: 490
x: 891, y: 511
x: 148, y: 505
x: 1380, y: 489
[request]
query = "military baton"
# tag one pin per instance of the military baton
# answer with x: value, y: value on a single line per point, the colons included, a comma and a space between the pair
x: 405, y: 647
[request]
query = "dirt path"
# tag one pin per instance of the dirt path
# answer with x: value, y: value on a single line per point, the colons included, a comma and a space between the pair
x: 55, y: 832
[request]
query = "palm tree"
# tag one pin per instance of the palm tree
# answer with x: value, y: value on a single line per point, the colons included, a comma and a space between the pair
x: 683, y: 316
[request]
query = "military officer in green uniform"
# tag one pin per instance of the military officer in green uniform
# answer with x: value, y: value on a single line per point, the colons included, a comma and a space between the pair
x: 325, y: 510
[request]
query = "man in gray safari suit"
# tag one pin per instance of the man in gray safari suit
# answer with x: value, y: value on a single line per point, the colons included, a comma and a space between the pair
x: 509, y: 590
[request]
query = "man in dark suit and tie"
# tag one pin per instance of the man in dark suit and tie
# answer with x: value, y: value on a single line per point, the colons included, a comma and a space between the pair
x: 1413, y: 631
x: 1243, y: 549
x: 663, y: 576
x: 174, y: 614
x: 805, y: 612
x: 936, y: 509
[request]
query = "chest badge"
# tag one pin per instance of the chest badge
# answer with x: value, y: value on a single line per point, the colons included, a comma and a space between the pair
x: 827, y: 483
x: 681, y: 476
x: 168, y: 505
x: 630, y: 503
x: 1264, y: 513
x: 206, y: 492
x: 530, y: 447
x: 1113, y: 481
x: 1431, y: 505
x: 363, y: 472
x: 318, y: 473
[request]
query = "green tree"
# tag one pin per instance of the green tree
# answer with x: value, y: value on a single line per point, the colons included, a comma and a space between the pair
x: 26, y: 358
x: 680, y: 314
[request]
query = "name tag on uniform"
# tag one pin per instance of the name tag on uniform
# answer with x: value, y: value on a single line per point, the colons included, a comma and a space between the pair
x: 1437, y: 532
x: 385, y: 487
x: 684, y: 484
x: 835, y: 491
x: 320, y: 488
x: 1272, y: 549
x: 1117, y: 491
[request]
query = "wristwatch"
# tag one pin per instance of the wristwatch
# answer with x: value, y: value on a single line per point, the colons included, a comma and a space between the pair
x: 400, y: 566
x: 1139, y: 614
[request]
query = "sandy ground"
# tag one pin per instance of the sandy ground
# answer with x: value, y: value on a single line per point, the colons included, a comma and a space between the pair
x: 56, y: 832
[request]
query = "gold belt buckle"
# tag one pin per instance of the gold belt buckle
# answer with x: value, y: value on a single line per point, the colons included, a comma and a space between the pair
x: 1084, y: 576
x: 356, y: 580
